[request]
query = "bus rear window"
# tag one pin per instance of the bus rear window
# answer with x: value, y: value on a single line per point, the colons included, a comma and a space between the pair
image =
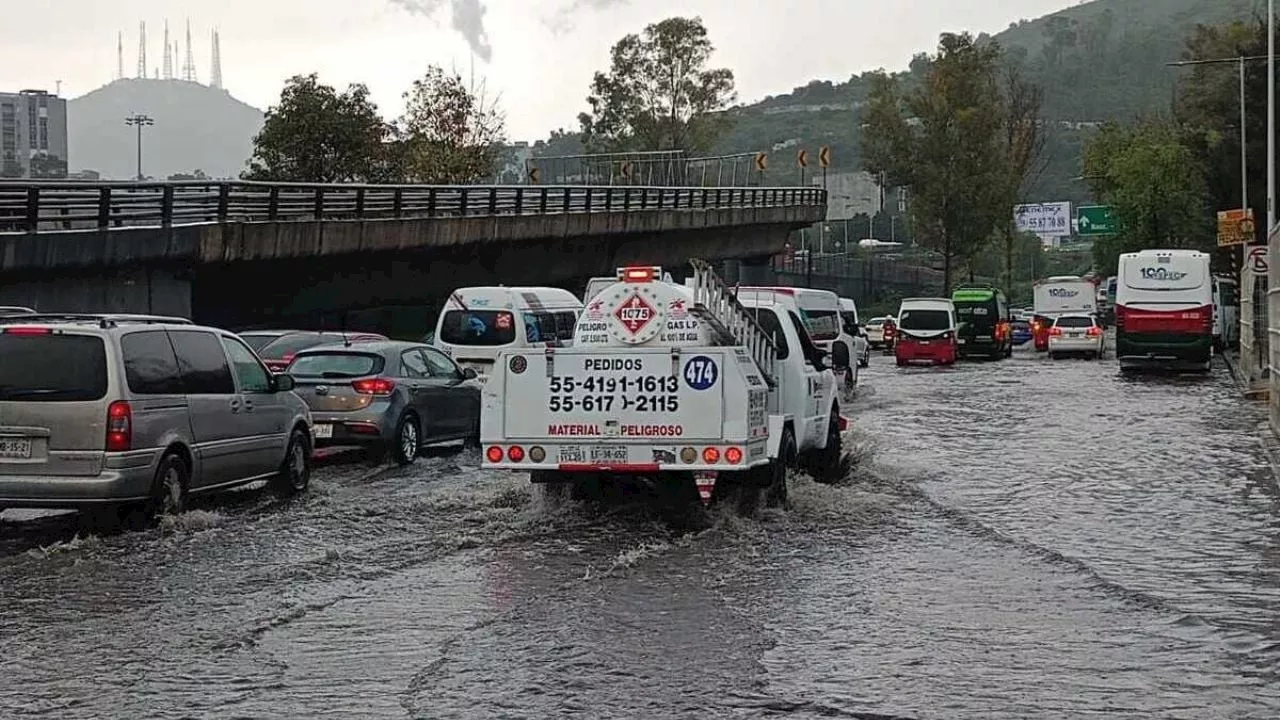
x: 52, y: 368
x: 478, y: 328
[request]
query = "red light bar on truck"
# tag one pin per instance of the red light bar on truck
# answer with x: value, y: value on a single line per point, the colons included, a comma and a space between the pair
x: 639, y: 274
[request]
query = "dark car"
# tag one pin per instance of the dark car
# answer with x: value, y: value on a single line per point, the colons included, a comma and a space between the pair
x: 1020, y: 331
x: 278, y: 353
x: 397, y: 396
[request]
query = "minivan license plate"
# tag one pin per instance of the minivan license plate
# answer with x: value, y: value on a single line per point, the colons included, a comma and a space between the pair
x: 324, y: 431
x: 15, y: 449
x: 609, y: 453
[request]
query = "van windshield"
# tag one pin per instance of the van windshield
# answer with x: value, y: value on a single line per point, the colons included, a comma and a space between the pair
x: 485, y: 328
x: 52, y: 368
x: 925, y: 320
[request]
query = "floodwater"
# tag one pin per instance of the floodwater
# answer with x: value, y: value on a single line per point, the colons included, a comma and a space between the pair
x: 1020, y: 539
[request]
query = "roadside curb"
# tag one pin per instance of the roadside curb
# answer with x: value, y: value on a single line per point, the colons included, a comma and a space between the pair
x: 1271, y: 448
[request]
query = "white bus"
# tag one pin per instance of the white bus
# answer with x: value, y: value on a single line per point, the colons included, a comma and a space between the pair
x: 1164, y: 309
x: 479, y: 322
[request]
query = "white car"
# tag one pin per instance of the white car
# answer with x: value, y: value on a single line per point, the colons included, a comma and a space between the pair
x: 849, y: 320
x: 1075, y: 334
x: 875, y: 333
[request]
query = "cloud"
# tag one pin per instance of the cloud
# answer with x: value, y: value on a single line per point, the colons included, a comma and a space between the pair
x: 563, y: 20
x: 466, y: 17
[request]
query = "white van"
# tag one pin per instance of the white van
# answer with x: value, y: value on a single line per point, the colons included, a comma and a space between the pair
x: 820, y: 311
x: 479, y: 322
x: 853, y: 327
x: 1164, y: 309
x: 927, y: 331
x: 1226, y: 312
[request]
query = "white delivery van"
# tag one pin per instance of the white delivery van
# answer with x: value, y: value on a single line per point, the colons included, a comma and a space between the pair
x: 1164, y: 310
x: 1058, y: 295
x: 853, y: 327
x: 820, y: 311
x: 683, y: 385
x: 477, y: 323
x: 1226, y: 312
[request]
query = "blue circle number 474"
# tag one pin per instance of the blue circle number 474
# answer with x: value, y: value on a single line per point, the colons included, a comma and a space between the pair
x: 701, y: 372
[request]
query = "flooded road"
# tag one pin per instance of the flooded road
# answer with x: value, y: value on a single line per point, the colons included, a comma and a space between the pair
x: 1024, y: 539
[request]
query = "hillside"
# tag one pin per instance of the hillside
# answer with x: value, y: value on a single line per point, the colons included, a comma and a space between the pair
x: 1098, y: 61
x: 196, y: 128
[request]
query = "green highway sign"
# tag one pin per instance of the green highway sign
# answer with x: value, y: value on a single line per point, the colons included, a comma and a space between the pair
x: 1095, y: 220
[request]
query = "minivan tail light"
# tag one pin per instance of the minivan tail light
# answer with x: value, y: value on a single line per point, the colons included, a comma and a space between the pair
x: 27, y: 331
x: 374, y: 386
x: 1055, y: 331
x: 119, y: 426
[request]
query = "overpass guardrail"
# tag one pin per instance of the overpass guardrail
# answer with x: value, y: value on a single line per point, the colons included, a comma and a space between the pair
x: 53, y: 206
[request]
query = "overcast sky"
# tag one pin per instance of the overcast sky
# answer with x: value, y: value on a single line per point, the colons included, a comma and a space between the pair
x: 537, y: 55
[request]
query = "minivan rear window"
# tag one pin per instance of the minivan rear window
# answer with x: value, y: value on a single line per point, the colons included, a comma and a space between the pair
x: 925, y: 320
x: 478, y: 328
x: 336, y: 365
x: 52, y: 368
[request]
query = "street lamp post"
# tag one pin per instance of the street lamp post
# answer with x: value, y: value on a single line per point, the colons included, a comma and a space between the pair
x: 139, y: 120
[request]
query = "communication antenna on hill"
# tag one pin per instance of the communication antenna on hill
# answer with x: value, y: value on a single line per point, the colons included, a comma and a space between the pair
x: 215, y: 78
x: 189, y: 65
x: 142, y: 50
x: 119, y: 54
x: 168, y: 54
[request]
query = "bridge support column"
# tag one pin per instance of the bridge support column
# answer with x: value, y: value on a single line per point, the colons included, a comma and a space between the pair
x: 756, y: 271
x: 148, y: 291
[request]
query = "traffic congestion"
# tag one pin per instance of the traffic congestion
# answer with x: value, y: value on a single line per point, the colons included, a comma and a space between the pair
x: 654, y: 456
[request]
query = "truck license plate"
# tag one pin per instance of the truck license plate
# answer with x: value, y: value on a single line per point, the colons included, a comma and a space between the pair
x: 572, y: 454
x: 609, y: 453
x: 323, y: 431
x: 15, y: 449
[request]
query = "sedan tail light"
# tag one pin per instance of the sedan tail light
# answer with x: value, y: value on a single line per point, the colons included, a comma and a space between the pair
x: 1055, y: 331
x: 1094, y: 331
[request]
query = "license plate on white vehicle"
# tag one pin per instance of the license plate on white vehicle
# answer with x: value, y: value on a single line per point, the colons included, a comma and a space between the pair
x: 572, y: 454
x: 15, y: 449
x: 323, y: 432
x: 609, y: 453
x: 1075, y: 335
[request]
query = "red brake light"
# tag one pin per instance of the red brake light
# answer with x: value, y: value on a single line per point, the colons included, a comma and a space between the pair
x: 710, y: 455
x: 639, y: 274
x: 374, y: 386
x: 27, y: 331
x: 1055, y: 331
x: 733, y: 455
x: 515, y: 453
x: 494, y: 453
x: 1094, y: 331
x: 119, y: 426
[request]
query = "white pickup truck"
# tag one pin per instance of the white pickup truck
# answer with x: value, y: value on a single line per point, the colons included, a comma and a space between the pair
x: 683, y: 384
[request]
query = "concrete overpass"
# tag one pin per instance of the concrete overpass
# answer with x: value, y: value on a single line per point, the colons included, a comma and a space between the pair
x: 238, y: 253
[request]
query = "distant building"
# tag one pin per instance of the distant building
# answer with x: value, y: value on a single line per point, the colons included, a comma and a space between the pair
x: 33, y: 135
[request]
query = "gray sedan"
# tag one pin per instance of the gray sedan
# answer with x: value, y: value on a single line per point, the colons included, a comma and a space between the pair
x: 394, y: 395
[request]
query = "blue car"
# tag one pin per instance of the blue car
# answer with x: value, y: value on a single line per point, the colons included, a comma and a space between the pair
x: 1021, y: 331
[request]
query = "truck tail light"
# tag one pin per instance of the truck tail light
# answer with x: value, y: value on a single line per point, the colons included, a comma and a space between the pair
x: 494, y: 454
x: 515, y: 453
x: 537, y: 454
x: 733, y: 455
x: 119, y: 426
x: 711, y: 455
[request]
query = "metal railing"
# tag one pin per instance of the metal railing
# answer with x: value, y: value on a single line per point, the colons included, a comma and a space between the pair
x: 56, y: 206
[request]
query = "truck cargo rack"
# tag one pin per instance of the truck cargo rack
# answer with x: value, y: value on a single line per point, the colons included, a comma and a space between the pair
x: 719, y: 308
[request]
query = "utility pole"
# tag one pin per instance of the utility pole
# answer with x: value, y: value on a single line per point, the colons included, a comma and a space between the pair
x: 139, y: 120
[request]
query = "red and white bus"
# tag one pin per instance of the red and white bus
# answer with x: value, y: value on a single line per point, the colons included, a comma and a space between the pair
x: 1164, y: 309
x: 1058, y: 295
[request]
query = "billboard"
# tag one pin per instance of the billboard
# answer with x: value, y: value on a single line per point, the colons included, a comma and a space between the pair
x: 1044, y: 219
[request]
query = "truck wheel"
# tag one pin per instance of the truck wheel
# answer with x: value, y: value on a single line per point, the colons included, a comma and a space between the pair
x: 825, y: 463
x: 775, y: 495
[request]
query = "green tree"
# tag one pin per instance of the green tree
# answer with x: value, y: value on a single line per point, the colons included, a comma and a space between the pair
x: 316, y: 134
x: 1152, y: 180
x: 659, y: 93
x: 1022, y: 152
x: 450, y: 133
x: 946, y: 141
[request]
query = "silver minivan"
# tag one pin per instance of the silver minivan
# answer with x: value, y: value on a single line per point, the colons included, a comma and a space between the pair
x: 136, y: 412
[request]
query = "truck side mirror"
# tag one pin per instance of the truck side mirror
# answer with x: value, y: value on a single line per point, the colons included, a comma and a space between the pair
x: 840, y: 355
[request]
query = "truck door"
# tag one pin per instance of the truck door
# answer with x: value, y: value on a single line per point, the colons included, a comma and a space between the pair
x: 815, y: 386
